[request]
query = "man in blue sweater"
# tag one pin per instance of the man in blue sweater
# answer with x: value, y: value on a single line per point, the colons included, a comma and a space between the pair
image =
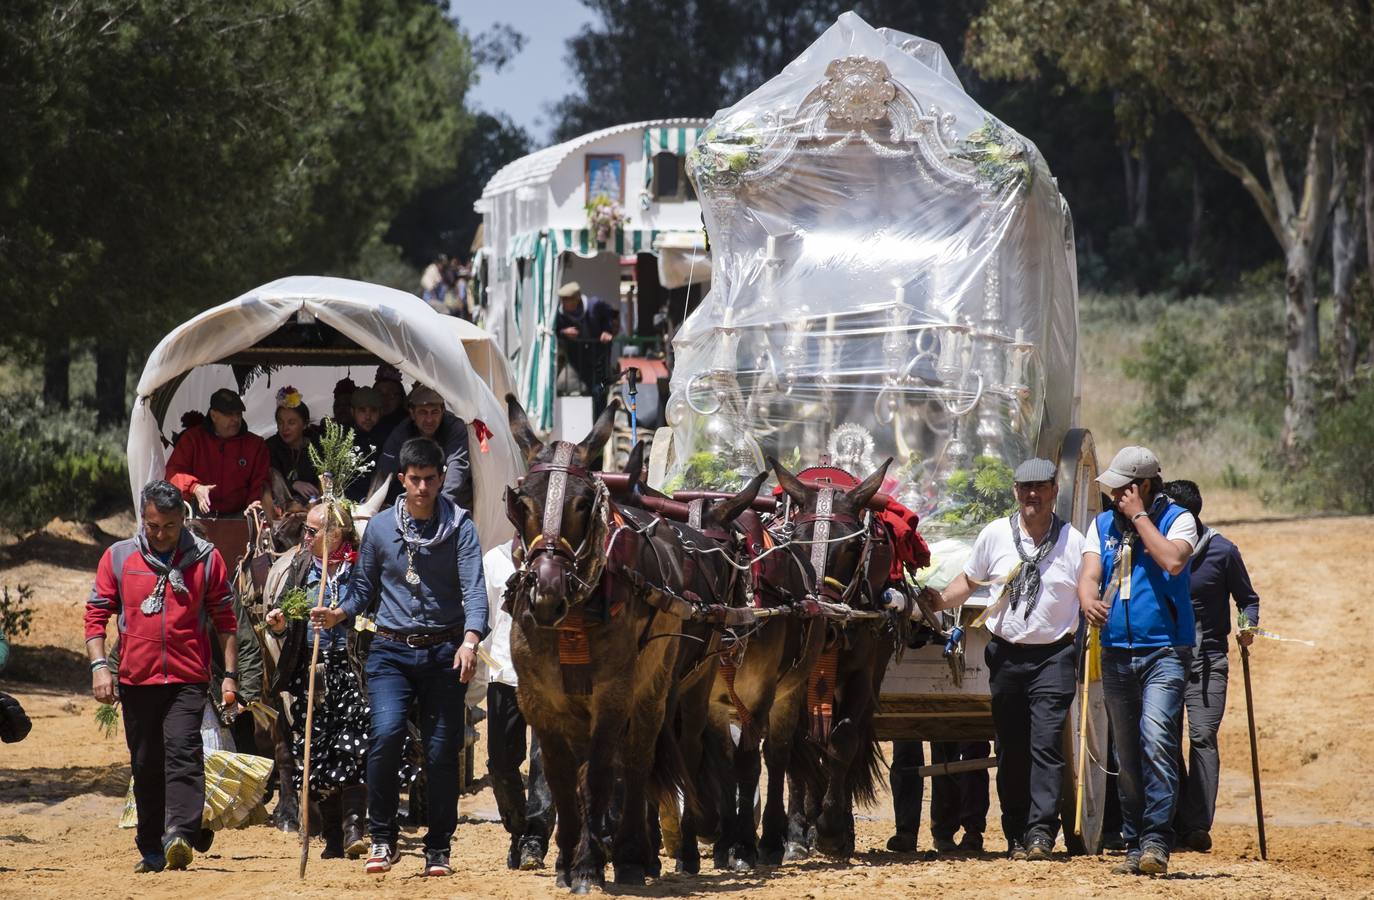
x: 1133, y: 586
x: 419, y: 576
x: 1218, y: 578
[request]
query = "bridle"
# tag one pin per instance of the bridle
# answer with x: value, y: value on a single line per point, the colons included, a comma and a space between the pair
x: 824, y: 518
x: 551, y: 542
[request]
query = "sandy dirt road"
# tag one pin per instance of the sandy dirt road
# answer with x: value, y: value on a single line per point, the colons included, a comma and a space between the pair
x: 61, y: 789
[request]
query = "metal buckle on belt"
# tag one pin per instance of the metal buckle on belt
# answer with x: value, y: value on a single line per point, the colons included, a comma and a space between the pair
x: 411, y: 641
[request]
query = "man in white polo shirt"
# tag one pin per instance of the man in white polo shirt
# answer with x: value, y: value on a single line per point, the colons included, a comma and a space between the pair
x: 1028, y: 564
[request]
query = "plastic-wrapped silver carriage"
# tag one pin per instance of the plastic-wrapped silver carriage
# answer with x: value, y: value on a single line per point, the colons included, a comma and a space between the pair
x: 892, y: 275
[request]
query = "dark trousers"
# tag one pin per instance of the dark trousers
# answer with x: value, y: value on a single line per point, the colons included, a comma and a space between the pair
x: 396, y: 675
x: 1204, y: 702
x: 522, y: 814
x: 958, y: 801
x: 908, y: 787
x: 1032, y: 688
x: 162, y: 727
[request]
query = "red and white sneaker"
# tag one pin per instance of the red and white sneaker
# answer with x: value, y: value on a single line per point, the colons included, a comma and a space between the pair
x: 380, y: 859
x: 437, y: 864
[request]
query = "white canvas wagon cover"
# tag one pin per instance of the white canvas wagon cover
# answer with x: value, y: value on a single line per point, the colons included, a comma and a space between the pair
x: 391, y: 325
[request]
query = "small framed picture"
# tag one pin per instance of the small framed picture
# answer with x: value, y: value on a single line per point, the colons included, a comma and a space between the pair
x: 606, y: 177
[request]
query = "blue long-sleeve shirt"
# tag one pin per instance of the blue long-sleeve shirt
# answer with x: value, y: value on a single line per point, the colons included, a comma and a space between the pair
x: 335, y: 638
x: 1218, y: 578
x: 452, y: 591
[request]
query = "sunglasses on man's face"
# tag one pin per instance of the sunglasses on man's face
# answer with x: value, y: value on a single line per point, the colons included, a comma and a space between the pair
x: 310, y: 531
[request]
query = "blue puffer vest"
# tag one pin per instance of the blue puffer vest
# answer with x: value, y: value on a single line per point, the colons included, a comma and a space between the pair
x: 1159, y: 612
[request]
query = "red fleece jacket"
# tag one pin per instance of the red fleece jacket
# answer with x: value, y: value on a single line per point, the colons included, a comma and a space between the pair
x: 236, y: 466
x: 171, y: 646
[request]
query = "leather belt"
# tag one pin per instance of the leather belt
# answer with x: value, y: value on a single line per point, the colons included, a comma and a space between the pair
x: 418, y: 641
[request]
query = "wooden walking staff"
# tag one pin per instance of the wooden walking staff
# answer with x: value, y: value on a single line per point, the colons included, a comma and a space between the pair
x: 1254, y: 750
x: 327, y: 485
x: 1088, y: 642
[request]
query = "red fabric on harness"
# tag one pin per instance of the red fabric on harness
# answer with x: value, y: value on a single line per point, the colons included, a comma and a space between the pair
x: 909, y: 548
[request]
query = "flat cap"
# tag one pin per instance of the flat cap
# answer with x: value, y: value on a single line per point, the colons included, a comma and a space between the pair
x: 567, y: 290
x: 1035, y: 469
x: 366, y: 397
x: 423, y: 395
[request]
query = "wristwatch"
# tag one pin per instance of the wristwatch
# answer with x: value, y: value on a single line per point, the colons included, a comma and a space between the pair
x: 231, y: 674
x: 469, y: 645
x: 1139, y: 514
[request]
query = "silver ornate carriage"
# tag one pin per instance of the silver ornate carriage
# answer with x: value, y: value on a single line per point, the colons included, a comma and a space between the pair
x: 892, y: 275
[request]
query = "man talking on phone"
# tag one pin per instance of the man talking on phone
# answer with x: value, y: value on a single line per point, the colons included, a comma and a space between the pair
x: 1134, y: 587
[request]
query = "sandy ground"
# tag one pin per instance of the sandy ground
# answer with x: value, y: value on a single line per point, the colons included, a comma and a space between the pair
x: 61, y: 789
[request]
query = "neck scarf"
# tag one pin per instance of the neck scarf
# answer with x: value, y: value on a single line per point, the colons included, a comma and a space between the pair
x: 189, y: 551
x: 445, y: 510
x: 1026, y: 582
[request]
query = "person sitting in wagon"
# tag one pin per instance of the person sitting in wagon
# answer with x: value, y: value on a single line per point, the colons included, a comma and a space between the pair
x: 289, y: 448
x: 429, y: 419
x: 367, y: 435
x: 221, y: 467
x: 388, y: 383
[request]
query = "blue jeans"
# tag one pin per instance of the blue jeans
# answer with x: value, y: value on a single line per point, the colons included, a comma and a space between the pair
x: 1144, y: 694
x: 396, y: 675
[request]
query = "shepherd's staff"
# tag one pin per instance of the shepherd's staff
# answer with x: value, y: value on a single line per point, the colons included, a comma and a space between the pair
x: 326, y: 483
x: 1254, y: 750
x: 1083, y: 731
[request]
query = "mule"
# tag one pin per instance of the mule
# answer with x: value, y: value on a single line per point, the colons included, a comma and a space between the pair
x: 714, y: 542
x: 851, y: 559
x: 595, y: 654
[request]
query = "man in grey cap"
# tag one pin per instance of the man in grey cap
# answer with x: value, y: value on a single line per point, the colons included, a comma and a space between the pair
x: 428, y: 419
x: 1134, y: 587
x: 1026, y: 566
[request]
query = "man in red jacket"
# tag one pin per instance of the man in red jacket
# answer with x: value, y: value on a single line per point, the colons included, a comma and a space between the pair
x: 166, y: 587
x: 222, y: 467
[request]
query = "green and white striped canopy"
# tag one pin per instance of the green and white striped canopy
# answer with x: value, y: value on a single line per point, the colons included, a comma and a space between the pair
x: 675, y: 140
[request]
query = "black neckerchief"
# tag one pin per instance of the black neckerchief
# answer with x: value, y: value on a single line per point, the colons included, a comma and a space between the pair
x: 1027, y: 581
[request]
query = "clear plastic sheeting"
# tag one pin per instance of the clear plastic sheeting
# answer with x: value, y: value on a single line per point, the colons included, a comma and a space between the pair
x: 892, y: 276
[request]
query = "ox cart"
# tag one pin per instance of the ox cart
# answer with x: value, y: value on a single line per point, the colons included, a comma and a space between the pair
x: 892, y: 276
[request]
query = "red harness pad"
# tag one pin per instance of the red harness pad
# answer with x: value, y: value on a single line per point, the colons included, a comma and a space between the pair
x: 820, y: 692
x: 908, y: 547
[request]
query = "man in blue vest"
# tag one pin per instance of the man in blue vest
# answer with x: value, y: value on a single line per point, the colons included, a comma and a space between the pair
x: 1133, y: 586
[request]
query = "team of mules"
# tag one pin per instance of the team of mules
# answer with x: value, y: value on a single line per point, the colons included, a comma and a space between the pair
x: 667, y: 648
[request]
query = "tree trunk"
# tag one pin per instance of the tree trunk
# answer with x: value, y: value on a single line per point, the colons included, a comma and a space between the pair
x: 1345, y: 257
x: 1195, y: 222
x: 1142, y: 188
x: 1369, y: 199
x: 1302, y: 351
x: 111, y: 381
x: 1128, y: 167
x: 57, y: 362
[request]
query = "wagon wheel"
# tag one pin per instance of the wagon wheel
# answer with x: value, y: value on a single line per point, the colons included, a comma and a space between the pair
x: 1080, y: 499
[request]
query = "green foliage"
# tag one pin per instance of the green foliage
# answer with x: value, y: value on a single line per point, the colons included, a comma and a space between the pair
x: 334, y: 453
x: 177, y: 152
x: 708, y: 471
x: 57, y: 464
x: 1168, y: 366
x: 1339, y: 474
x: 979, y: 494
x: 15, y: 614
x: 296, y: 603
x: 106, y: 720
x: 1000, y: 157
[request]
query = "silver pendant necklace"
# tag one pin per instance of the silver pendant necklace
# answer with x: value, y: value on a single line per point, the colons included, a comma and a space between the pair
x: 410, y: 538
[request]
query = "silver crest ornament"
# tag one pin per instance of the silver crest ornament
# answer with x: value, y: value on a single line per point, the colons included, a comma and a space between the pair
x: 851, y: 448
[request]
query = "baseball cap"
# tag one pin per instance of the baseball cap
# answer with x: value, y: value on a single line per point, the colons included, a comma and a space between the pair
x: 225, y: 400
x: 1035, y: 469
x: 1128, y: 465
x: 422, y: 395
x: 567, y: 290
x: 366, y: 396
